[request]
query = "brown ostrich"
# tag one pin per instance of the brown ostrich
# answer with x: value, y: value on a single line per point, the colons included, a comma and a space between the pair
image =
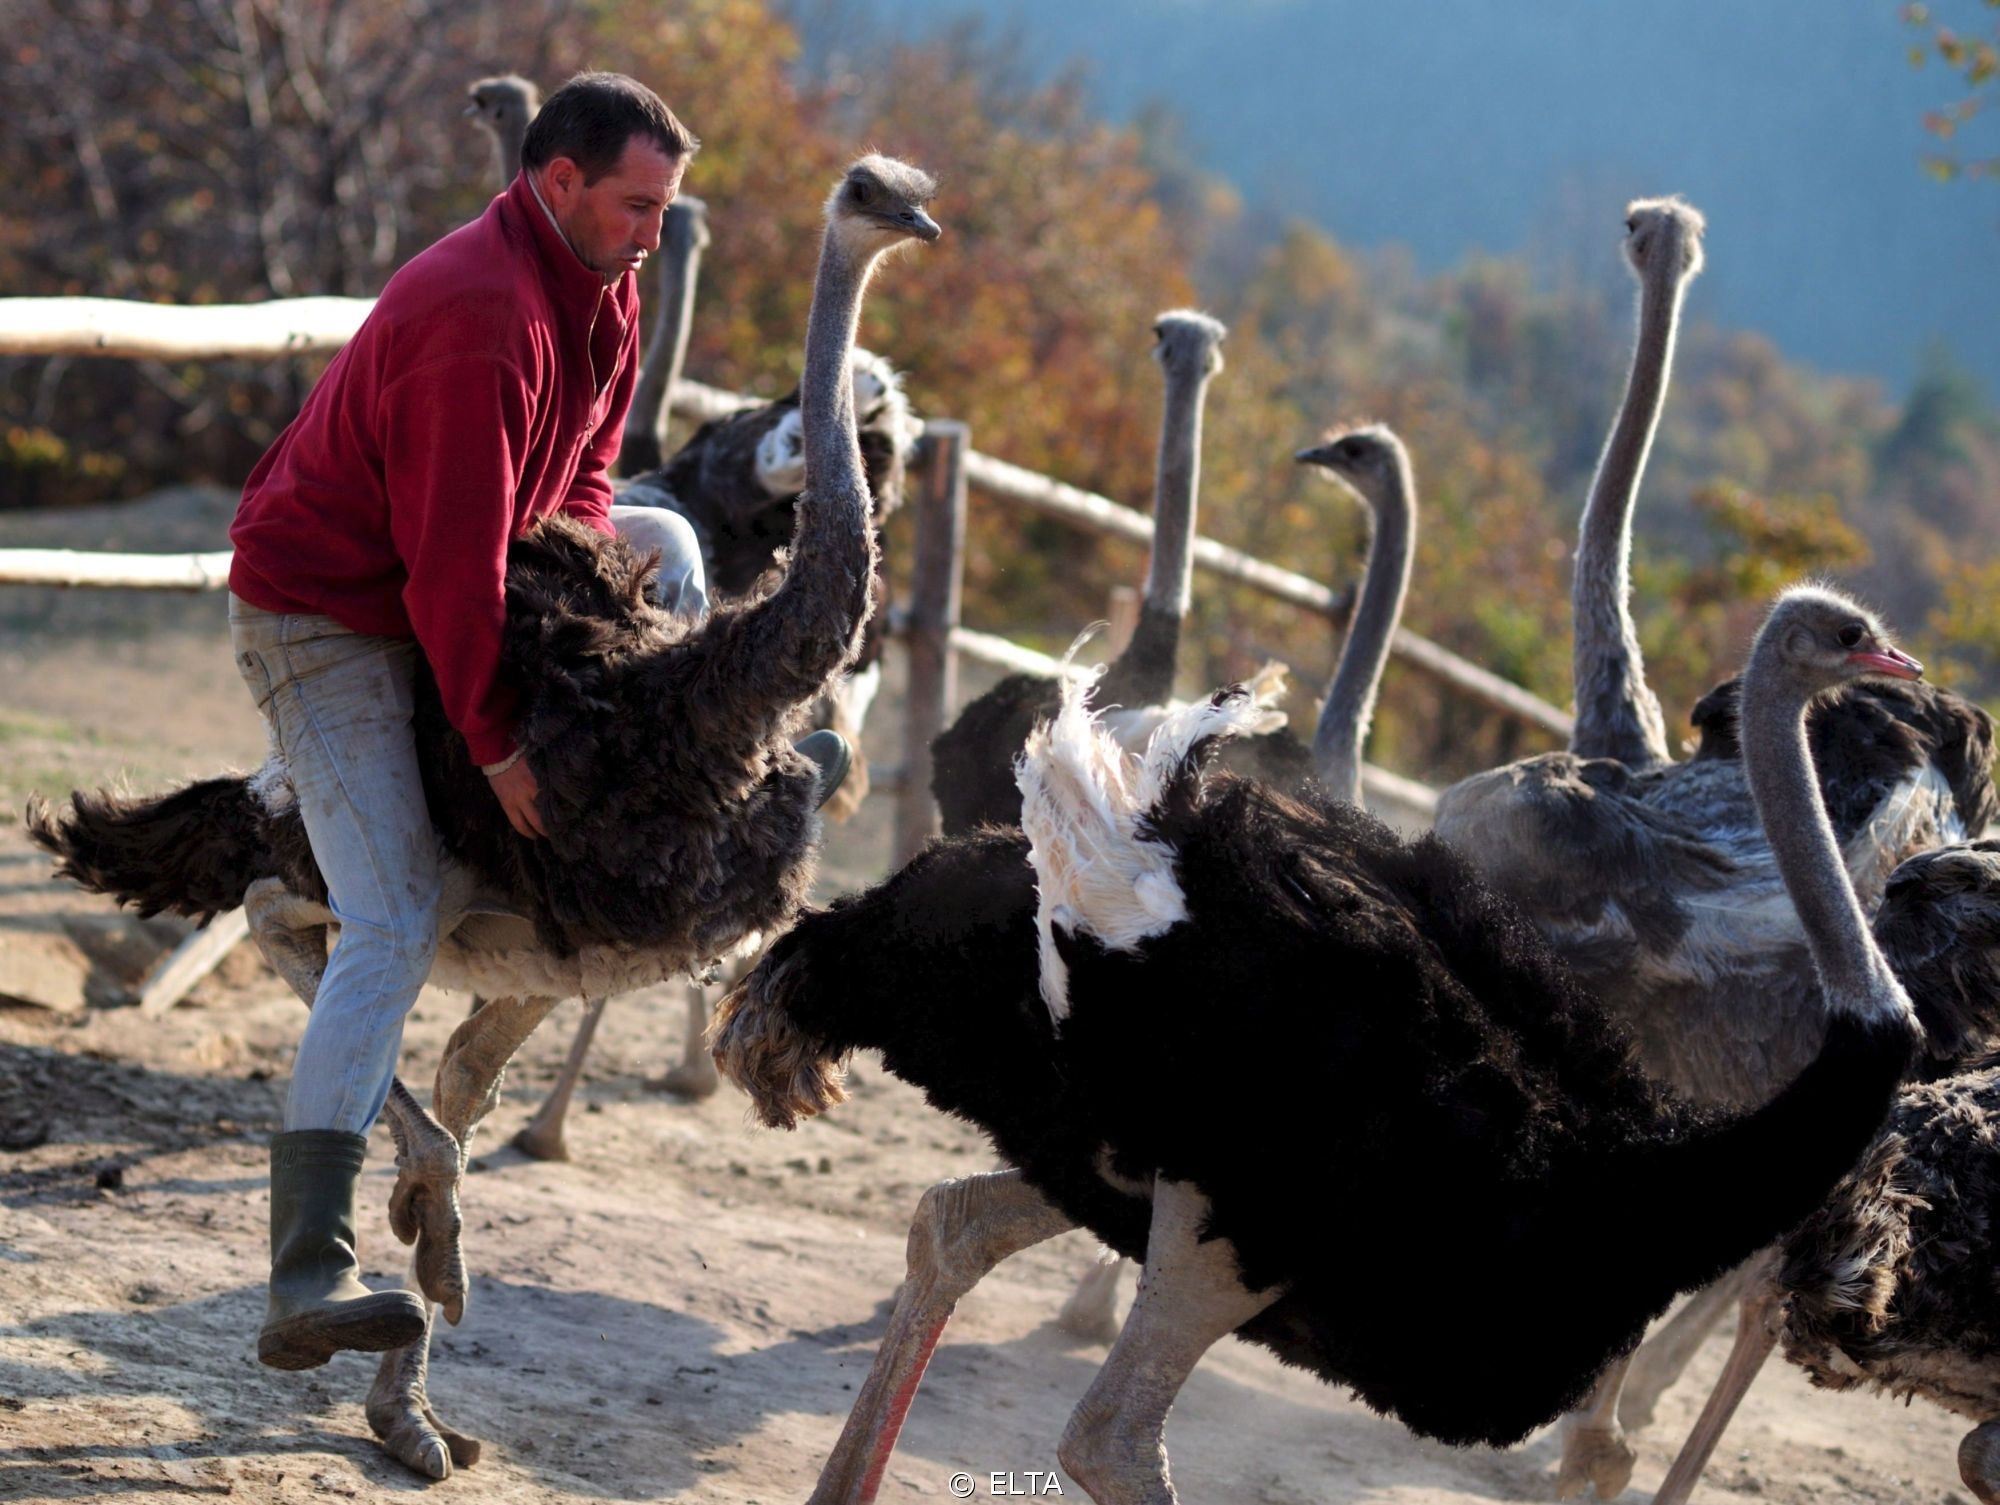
x: 681, y: 819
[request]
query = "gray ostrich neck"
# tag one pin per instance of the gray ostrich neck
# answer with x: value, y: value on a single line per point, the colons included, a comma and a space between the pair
x: 1617, y: 714
x: 651, y: 414
x: 834, y: 474
x: 1350, y: 701
x: 1144, y: 674
x: 510, y: 154
x: 1778, y: 762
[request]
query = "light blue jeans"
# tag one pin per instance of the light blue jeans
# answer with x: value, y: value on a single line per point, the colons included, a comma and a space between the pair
x: 338, y: 705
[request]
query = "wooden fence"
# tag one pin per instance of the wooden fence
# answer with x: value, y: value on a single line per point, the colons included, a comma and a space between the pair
x: 945, y: 471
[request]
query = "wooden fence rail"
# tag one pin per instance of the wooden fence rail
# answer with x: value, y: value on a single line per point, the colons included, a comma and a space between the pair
x: 79, y: 567
x: 945, y: 470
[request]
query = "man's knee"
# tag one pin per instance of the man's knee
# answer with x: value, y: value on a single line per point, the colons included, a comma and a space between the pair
x: 402, y: 947
x: 682, y: 586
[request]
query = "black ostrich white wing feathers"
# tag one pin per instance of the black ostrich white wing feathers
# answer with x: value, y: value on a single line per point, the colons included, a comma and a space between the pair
x: 1086, y: 804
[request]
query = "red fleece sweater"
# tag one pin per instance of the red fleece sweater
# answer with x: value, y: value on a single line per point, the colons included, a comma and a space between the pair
x: 486, y: 389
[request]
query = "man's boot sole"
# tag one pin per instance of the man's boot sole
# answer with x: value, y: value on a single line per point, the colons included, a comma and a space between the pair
x: 371, y: 1324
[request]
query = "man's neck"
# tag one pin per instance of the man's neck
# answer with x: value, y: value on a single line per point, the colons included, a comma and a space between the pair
x: 536, y: 189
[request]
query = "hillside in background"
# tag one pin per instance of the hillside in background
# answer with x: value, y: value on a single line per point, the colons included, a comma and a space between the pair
x: 1462, y: 127
x: 1065, y: 235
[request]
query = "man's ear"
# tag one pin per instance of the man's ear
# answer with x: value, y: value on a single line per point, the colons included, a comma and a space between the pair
x: 562, y: 177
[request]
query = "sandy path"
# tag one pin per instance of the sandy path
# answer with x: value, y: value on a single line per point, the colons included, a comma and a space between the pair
x: 679, y: 1314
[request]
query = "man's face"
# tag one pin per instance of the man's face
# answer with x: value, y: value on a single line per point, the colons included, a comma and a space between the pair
x: 614, y: 224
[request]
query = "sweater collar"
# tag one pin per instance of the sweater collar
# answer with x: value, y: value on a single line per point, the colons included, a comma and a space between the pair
x: 574, y: 287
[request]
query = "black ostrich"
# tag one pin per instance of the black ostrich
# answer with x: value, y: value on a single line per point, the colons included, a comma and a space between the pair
x: 1371, y: 463
x: 681, y: 819
x: 1467, y: 1112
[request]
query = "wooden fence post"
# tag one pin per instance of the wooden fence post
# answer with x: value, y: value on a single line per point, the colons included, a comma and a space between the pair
x: 939, y: 504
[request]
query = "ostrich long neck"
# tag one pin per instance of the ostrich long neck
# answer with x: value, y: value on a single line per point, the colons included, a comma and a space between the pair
x: 1617, y: 714
x: 780, y: 652
x: 1144, y: 673
x: 644, y: 446
x: 509, y: 138
x: 835, y: 479
x: 1350, y: 702
x: 1778, y: 763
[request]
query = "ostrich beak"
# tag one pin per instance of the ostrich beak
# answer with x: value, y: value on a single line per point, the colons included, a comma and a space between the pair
x: 1890, y: 661
x: 1317, y: 454
x: 471, y: 109
x: 922, y: 225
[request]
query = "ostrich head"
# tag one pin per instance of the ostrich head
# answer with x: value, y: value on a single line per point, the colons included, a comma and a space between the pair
x: 1191, y: 342
x: 1368, y: 459
x: 879, y: 406
x: 879, y: 204
x: 1822, y: 639
x: 503, y: 105
x: 1669, y: 229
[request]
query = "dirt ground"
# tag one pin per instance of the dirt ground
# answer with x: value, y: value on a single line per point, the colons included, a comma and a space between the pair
x: 680, y: 1313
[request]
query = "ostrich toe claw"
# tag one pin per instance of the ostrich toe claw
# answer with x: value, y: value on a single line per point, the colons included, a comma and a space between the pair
x: 410, y: 1432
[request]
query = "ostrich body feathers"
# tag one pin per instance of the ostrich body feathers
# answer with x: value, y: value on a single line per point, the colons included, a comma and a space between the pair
x: 680, y: 818
x: 1660, y: 888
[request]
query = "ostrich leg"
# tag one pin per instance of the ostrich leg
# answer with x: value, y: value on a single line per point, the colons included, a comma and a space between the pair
x: 425, y: 1207
x: 696, y: 1076
x: 1189, y: 1296
x: 399, y: 1411
x: 962, y: 1229
x: 1091, y: 1313
x: 1595, y: 1451
x: 1757, y: 1324
x: 543, y: 1136
x: 1663, y: 1356
x: 1595, y: 1446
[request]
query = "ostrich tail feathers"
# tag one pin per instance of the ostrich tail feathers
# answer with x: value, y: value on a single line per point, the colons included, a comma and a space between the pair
x: 1087, y: 807
x: 192, y: 852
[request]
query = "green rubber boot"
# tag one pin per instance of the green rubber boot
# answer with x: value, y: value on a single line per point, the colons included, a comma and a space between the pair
x: 318, y: 1303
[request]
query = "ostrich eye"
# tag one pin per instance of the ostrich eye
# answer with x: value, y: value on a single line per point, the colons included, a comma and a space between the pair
x: 1632, y: 225
x: 1851, y: 635
x: 864, y: 192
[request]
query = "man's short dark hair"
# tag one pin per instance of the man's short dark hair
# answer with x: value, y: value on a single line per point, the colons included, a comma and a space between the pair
x: 590, y: 118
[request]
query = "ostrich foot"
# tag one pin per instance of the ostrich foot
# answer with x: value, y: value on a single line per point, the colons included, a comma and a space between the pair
x: 423, y: 1209
x: 1091, y: 1313
x: 696, y: 1076
x: 540, y: 1141
x: 692, y: 1079
x: 543, y: 1138
x: 400, y: 1415
x: 1979, y: 1462
x: 1597, y: 1456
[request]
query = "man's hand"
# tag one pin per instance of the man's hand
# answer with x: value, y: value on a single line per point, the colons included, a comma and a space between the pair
x: 516, y: 790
